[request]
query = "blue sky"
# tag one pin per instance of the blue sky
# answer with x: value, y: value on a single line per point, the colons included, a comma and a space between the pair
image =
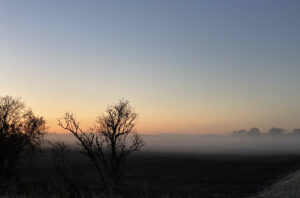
x: 187, y: 66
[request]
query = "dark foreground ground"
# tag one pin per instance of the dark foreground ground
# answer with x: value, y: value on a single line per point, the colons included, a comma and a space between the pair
x: 180, y: 175
x: 207, y: 175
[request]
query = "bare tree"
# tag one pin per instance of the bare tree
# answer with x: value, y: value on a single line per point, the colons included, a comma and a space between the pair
x: 109, y: 142
x: 20, y: 130
x: 59, y: 152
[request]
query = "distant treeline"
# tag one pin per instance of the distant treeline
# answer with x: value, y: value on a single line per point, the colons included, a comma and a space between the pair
x: 273, y: 131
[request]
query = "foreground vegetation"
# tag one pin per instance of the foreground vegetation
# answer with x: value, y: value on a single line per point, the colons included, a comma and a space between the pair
x: 154, y: 175
x: 288, y: 187
x: 107, y: 145
x: 100, y: 164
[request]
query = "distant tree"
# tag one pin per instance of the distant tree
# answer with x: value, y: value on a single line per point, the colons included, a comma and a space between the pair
x: 276, y: 131
x: 239, y: 132
x: 254, y: 131
x: 296, y: 131
x: 20, y: 130
x: 109, y: 143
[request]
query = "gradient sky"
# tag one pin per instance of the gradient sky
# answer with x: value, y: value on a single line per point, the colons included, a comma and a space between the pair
x: 186, y: 66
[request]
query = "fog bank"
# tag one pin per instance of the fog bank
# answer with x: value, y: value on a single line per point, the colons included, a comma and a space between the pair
x: 239, y: 144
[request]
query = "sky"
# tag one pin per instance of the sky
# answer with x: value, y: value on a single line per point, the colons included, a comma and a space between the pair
x: 186, y: 66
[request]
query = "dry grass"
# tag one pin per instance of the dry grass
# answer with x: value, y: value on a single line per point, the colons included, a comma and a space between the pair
x: 289, y: 187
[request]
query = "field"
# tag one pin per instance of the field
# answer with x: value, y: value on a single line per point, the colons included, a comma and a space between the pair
x: 208, y: 175
x: 154, y: 174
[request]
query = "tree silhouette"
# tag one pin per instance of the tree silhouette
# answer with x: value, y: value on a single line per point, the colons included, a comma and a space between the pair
x: 254, y: 132
x: 59, y: 152
x: 111, y: 140
x: 276, y: 131
x: 241, y: 132
x: 296, y: 132
x: 20, y: 130
x: 59, y: 157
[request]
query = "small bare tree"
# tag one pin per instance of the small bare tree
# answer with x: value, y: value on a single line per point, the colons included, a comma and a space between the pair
x: 20, y: 130
x: 59, y: 152
x: 109, y: 142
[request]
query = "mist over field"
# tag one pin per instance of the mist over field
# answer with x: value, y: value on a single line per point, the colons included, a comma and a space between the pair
x: 287, y: 143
